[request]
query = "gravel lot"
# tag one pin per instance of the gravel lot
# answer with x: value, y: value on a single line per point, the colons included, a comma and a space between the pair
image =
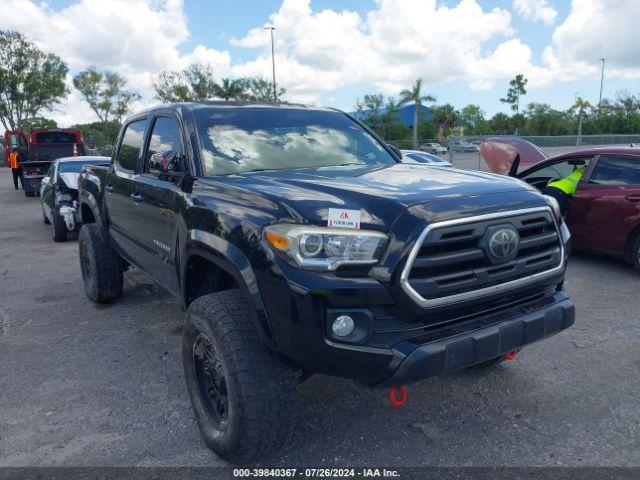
x: 88, y: 385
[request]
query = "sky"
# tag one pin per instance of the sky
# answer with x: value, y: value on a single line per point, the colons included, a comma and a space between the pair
x: 331, y: 52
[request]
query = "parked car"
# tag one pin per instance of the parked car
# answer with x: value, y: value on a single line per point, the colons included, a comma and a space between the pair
x: 299, y: 244
x: 59, y: 194
x: 416, y: 156
x: 435, y: 148
x: 41, y: 147
x: 604, y: 213
x: 461, y: 146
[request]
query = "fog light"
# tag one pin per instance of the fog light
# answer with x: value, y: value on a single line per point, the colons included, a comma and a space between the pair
x: 342, y: 326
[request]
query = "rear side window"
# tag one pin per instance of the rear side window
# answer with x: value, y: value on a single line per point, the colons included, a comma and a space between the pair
x: 129, y: 150
x: 164, y: 138
x: 612, y: 170
x: 55, y: 137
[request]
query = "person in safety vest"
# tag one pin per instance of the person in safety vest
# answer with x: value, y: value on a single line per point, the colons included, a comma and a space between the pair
x: 16, y: 169
x: 562, y: 190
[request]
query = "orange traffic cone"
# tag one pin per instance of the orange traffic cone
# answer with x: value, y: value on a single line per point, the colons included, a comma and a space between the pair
x: 75, y: 149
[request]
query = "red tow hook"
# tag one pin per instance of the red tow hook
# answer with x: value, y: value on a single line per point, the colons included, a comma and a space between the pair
x: 511, y: 355
x: 393, y: 397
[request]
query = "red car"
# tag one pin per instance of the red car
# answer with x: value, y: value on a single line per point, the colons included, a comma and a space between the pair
x: 604, y: 213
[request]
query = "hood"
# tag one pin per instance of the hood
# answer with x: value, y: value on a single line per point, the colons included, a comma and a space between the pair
x: 499, y: 153
x: 381, y: 194
x: 70, y: 179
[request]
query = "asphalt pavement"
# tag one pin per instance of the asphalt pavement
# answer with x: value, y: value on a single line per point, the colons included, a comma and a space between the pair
x: 88, y: 385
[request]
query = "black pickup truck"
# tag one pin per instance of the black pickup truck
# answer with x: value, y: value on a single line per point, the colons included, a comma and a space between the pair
x: 300, y: 244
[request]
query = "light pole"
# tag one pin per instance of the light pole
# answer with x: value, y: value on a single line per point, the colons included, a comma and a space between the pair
x: 273, y: 62
x: 601, y: 82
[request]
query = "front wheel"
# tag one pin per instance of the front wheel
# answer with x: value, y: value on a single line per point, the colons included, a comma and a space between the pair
x: 635, y: 254
x: 243, y: 397
x: 59, y: 229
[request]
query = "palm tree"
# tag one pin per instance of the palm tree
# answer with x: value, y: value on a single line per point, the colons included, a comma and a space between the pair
x: 229, y: 89
x: 390, y: 115
x: 446, y: 117
x: 580, y: 105
x: 415, y: 95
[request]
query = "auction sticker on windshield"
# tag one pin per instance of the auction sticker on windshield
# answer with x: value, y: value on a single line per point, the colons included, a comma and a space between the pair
x: 341, y: 218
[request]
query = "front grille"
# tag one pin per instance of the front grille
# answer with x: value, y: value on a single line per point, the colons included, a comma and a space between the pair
x: 450, y: 261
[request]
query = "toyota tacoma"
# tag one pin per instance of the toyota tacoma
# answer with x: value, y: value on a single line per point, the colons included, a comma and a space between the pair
x: 300, y: 244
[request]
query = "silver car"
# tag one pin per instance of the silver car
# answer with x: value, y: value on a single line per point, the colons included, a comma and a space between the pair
x: 433, y: 148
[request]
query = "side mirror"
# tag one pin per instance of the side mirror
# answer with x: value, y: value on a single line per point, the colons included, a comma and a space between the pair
x: 396, y: 150
x: 169, y: 164
x: 513, y: 171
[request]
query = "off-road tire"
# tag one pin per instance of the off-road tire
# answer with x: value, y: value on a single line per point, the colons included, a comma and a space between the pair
x: 101, y: 266
x: 635, y: 254
x: 260, y: 390
x: 45, y: 220
x: 58, y: 227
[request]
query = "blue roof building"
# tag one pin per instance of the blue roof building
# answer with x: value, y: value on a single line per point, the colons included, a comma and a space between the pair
x: 405, y: 113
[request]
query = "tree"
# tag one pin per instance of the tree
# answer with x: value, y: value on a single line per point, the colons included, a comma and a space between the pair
x: 370, y: 109
x: 31, y: 81
x: 231, y: 89
x: 516, y: 90
x: 445, y: 117
x: 500, y: 123
x: 389, y: 118
x: 541, y: 119
x: 194, y: 83
x: 580, y: 106
x: 415, y: 95
x: 257, y: 89
x: 105, y: 93
x: 472, y: 117
x: 29, y: 124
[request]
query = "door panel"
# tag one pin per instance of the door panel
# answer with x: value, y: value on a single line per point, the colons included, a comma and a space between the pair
x: 120, y: 184
x: 12, y: 139
x: 156, y: 210
x: 605, y: 208
x: 157, y: 204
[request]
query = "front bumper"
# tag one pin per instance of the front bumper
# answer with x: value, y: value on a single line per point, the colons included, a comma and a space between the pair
x: 470, y: 348
x: 70, y: 215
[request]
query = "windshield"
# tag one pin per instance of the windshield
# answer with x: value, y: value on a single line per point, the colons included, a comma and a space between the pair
x: 252, y: 139
x: 76, y: 166
x: 423, y: 158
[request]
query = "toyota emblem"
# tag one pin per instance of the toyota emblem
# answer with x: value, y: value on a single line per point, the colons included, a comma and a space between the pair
x: 503, y: 244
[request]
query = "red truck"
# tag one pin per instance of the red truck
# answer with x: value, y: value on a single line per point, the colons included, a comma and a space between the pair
x: 40, y: 148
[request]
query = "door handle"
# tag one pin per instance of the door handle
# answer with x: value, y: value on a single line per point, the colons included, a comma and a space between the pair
x: 633, y: 198
x: 136, y: 197
x: 108, y: 187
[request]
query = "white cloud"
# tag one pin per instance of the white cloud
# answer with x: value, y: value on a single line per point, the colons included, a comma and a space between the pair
x: 536, y: 10
x: 596, y: 29
x: 320, y: 52
x: 136, y: 38
x: 397, y: 42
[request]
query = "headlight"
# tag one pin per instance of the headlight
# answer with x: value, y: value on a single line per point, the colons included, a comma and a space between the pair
x: 555, y: 206
x: 325, y: 248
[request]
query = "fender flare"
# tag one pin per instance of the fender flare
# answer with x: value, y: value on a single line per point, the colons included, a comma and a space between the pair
x: 233, y: 261
x: 87, y: 198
